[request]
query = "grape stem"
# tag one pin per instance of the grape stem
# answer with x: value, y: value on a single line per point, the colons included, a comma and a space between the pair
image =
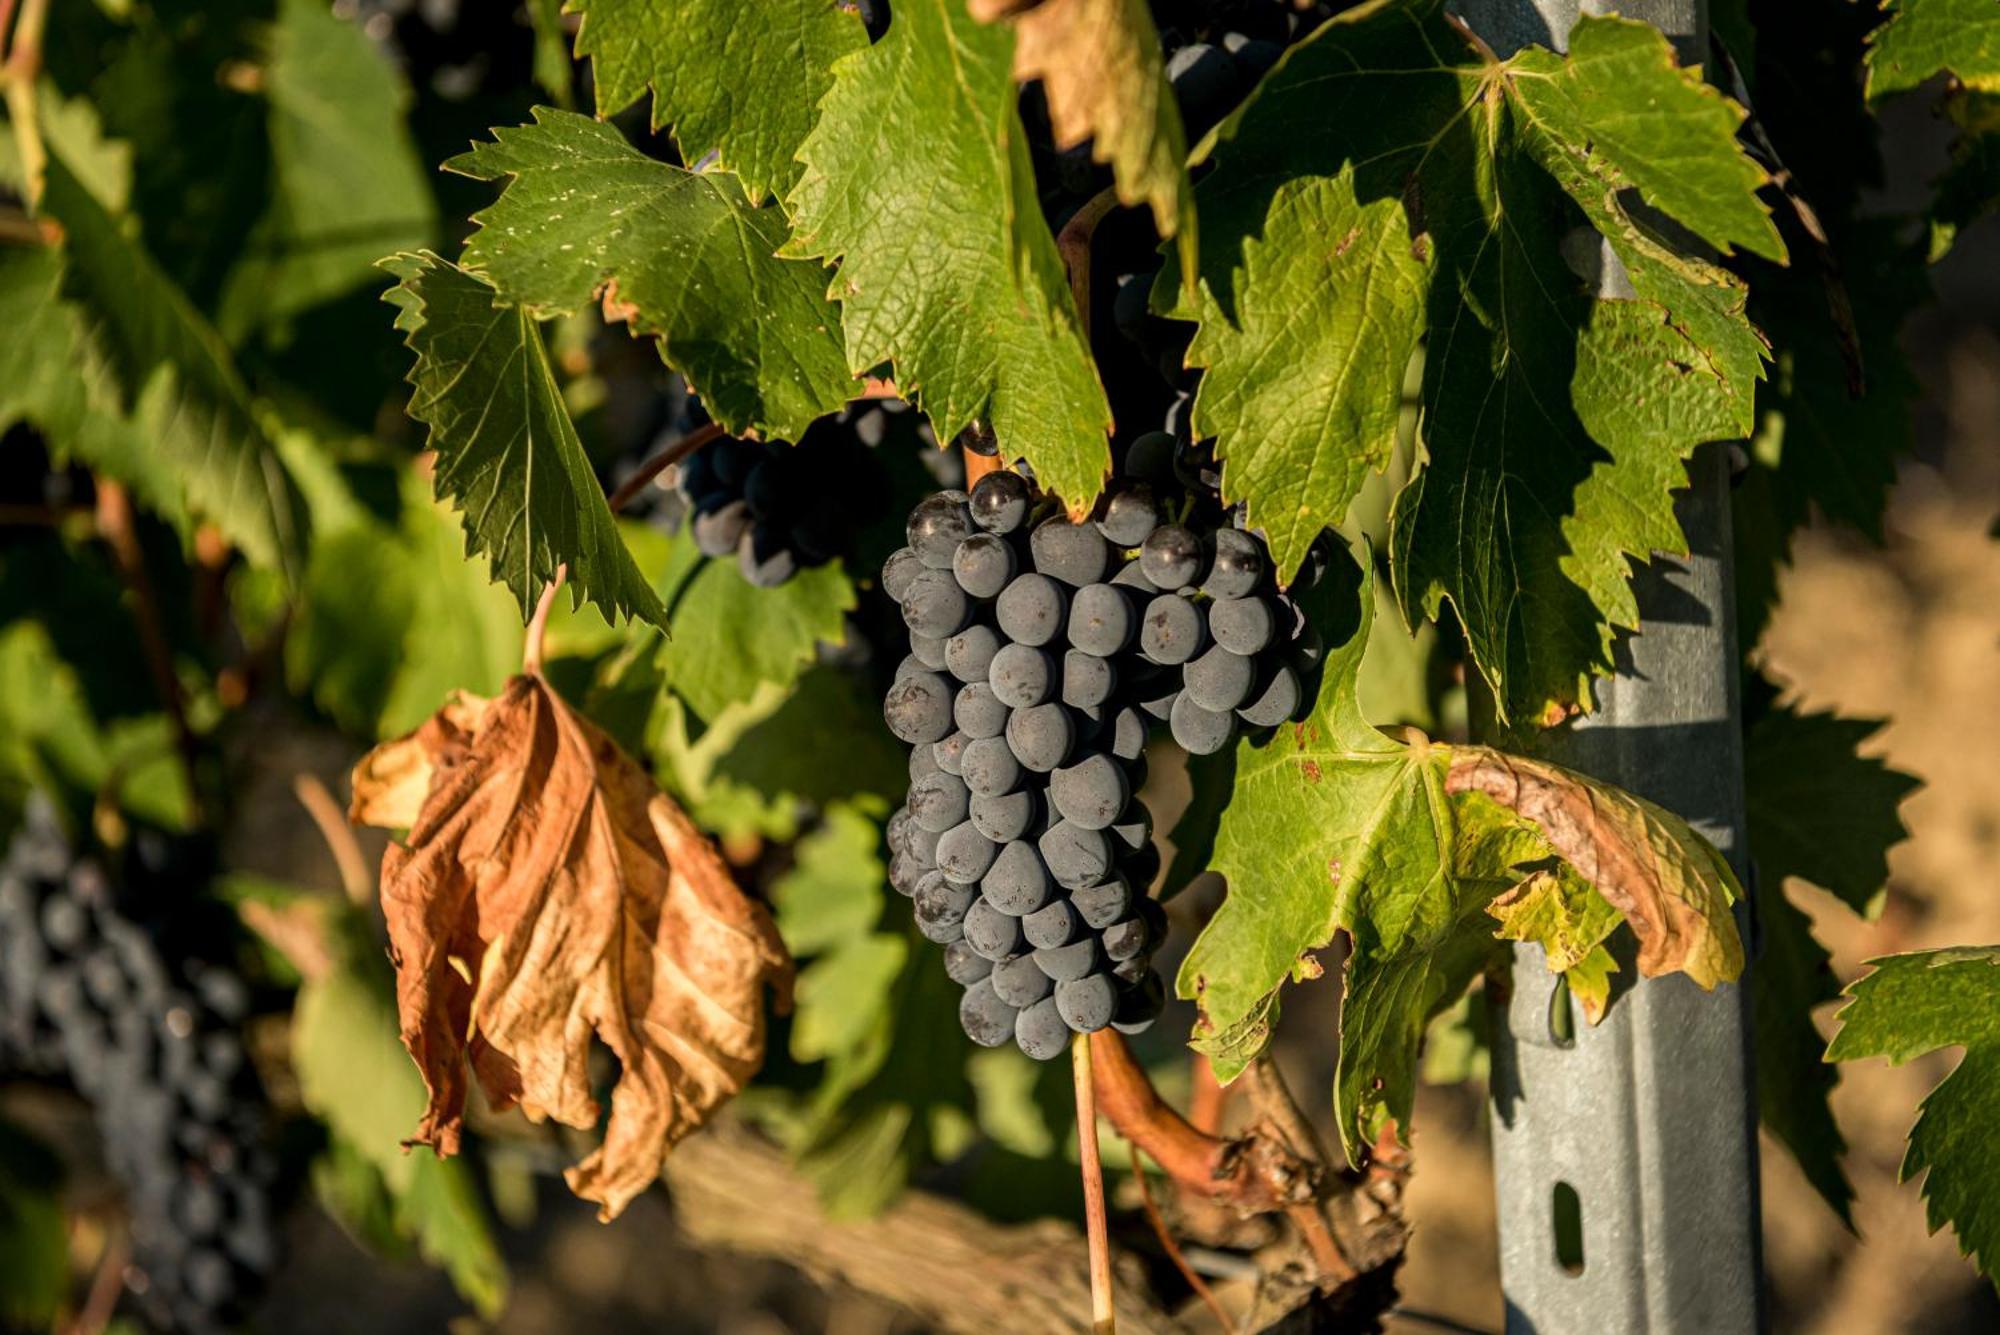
x: 1073, y: 244
x: 19, y: 73
x: 1103, y: 1318
x: 629, y: 489
x: 116, y: 526
x: 106, y: 1285
x: 339, y: 835
x: 538, y: 625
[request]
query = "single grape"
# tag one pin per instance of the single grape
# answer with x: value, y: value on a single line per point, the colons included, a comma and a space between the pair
x: 1241, y: 625
x: 1171, y: 631
x: 764, y: 556
x: 1040, y: 1032
x: 989, y: 770
x: 1133, y: 829
x: 1126, y: 939
x: 1000, y: 502
x: 1238, y: 565
x: 1275, y: 701
x: 983, y: 565
x: 1132, y: 575
x: 1074, y: 855
x: 1021, y: 676
x: 1088, y: 1003
x: 918, y: 708
x: 1091, y: 792
x: 1139, y: 1004
x: 938, y: 802
x: 964, y: 965
x: 904, y: 873
x: 923, y: 760
x: 909, y: 666
x: 941, y: 907
x: 716, y: 532
x: 994, y: 934
x: 986, y: 1019
x: 1007, y: 817
x: 1219, y: 680
x: 1041, y: 736
x: 1018, y: 880
x: 1064, y: 964
x: 1055, y: 923
x: 934, y: 605
x: 1151, y: 457
x: 1100, y: 620
x: 969, y: 654
x: 937, y: 526
x: 1129, y: 516
x: 1125, y: 735
x: 1087, y: 680
x: 964, y: 854
x: 922, y: 844
x: 1102, y: 904
x: 1171, y: 556
x: 1076, y: 554
x: 1200, y: 732
x: 1030, y: 610
x: 1020, y: 981
x: 978, y: 711
x: 950, y: 753
x: 929, y: 651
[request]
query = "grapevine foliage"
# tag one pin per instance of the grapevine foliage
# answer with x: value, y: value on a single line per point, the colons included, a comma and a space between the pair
x: 1431, y: 331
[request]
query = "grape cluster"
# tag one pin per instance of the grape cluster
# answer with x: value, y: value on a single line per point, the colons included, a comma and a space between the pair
x: 153, y: 1042
x: 1024, y: 846
x: 779, y: 507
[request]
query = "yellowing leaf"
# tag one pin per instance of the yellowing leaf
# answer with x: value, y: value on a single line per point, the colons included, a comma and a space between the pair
x: 548, y: 893
x: 1668, y: 882
x: 1100, y: 65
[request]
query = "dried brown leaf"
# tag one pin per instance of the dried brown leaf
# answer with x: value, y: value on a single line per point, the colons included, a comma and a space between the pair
x: 1099, y: 63
x: 1666, y: 880
x: 547, y: 895
x: 391, y: 782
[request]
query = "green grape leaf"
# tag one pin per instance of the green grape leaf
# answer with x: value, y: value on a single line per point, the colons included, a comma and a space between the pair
x: 177, y: 378
x: 52, y: 376
x: 1416, y: 842
x: 1916, y: 1003
x: 827, y: 907
x: 1793, y: 977
x: 392, y: 618
x: 1100, y: 66
x: 981, y: 329
x: 1556, y: 422
x: 1570, y: 922
x: 829, y: 712
x: 735, y: 637
x: 1820, y: 812
x: 508, y: 456
x: 34, y: 1233
x: 1970, y: 186
x: 553, y: 70
x: 354, y: 1076
x: 1818, y: 809
x: 1926, y: 38
x: 347, y: 186
x: 743, y: 81
x: 678, y: 254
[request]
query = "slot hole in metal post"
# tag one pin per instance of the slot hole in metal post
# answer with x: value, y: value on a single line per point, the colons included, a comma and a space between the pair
x: 1567, y: 1208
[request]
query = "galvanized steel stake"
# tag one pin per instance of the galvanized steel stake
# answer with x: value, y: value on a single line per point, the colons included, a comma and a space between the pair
x: 1638, y: 1134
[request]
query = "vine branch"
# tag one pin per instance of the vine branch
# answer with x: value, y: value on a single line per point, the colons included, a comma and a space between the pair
x: 115, y: 524
x: 1103, y: 1320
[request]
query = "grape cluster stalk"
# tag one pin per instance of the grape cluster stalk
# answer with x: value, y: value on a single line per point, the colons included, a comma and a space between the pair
x: 154, y: 1042
x: 1043, y: 653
